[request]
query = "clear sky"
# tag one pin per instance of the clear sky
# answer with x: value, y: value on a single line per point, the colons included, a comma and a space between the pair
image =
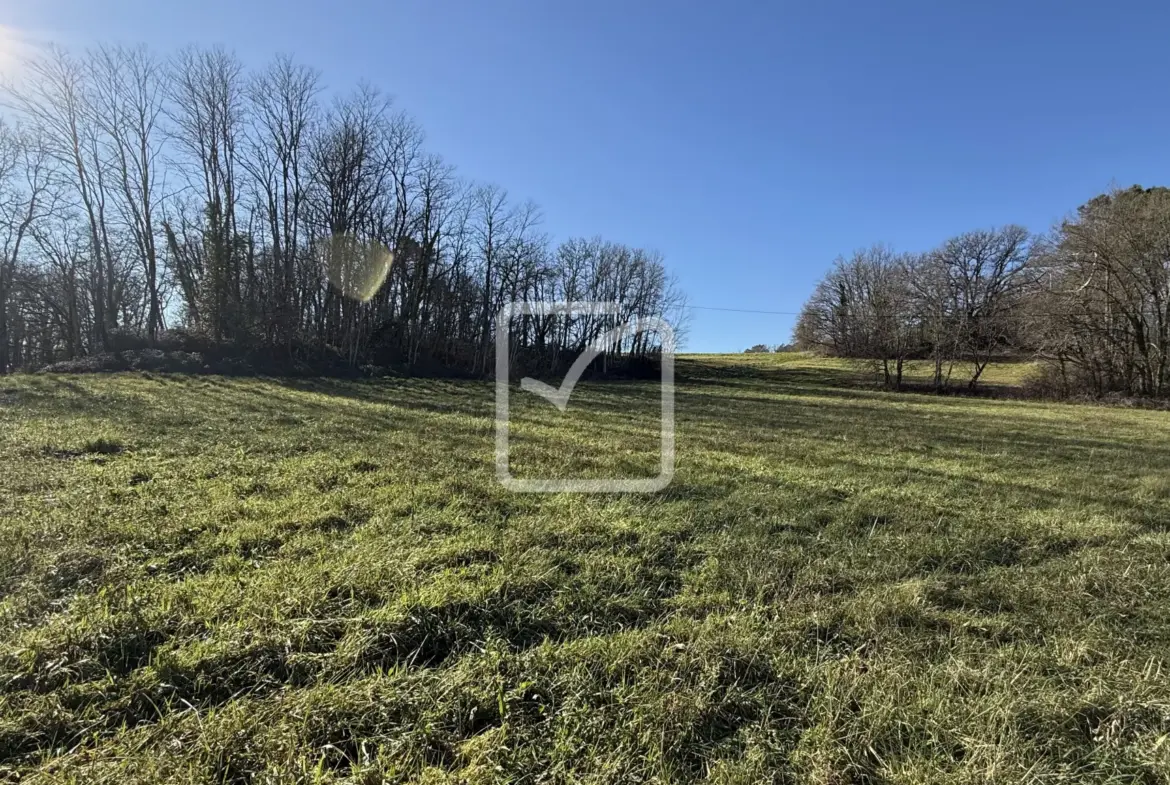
x: 750, y: 143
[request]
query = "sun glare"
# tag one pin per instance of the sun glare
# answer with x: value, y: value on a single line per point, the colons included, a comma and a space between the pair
x: 14, y: 46
x: 357, y: 269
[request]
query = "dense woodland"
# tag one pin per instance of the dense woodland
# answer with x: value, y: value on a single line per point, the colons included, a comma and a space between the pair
x: 1091, y: 299
x: 184, y: 202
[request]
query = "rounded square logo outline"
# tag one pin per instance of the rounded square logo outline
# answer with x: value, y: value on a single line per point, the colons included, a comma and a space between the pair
x: 503, y: 398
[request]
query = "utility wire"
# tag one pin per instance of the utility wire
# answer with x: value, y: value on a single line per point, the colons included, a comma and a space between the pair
x: 741, y: 310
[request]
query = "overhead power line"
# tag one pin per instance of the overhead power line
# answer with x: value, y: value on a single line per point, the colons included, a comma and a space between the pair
x: 741, y: 310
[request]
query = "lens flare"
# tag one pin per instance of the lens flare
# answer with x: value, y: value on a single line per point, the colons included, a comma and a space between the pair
x: 356, y: 268
x: 15, y: 45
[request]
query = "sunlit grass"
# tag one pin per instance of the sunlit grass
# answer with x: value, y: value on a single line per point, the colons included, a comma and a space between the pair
x: 210, y: 580
x: 957, y: 372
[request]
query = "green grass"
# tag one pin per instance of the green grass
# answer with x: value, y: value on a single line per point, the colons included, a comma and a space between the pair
x: 208, y: 580
x: 919, y: 372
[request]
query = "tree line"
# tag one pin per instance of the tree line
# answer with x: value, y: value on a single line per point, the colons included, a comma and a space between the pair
x: 1090, y: 299
x: 145, y: 197
x: 763, y: 348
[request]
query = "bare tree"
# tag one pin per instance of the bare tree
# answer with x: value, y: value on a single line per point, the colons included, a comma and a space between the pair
x: 24, y: 200
x: 128, y: 94
x: 240, y: 194
x: 494, y: 220
x: 56, y: 97
x: 864, y: 309
x: 207, y: 114
x: 935, y: 306
x: 984, y: 271
x: 1106, y: 294
x: 283, y: 101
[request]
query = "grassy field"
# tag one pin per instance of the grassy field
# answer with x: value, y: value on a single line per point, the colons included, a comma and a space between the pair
x: 208, y: 580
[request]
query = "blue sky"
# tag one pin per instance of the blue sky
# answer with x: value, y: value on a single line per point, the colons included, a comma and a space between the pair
x: 750, y: 143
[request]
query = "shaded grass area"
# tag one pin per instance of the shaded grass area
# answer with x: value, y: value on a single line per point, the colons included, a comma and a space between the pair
x: 233, y: 581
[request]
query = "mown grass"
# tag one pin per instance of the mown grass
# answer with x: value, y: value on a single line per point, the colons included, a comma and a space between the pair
x: 916, y: 374
x: 230, y: 581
